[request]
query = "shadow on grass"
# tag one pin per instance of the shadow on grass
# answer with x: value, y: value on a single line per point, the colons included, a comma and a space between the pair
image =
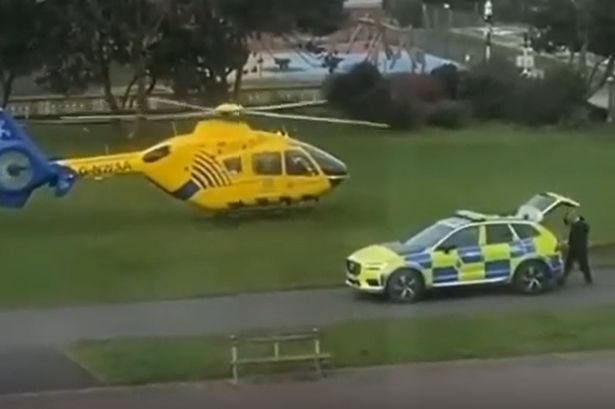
x: 239, y: 218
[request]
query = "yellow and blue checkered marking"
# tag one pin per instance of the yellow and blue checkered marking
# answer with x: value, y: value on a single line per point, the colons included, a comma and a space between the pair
x: 497, y: 269
x: 522, y: 248
x: 423, y: 260
x: 494, y: 268
x: 445, y: 275
x: 470, y: 255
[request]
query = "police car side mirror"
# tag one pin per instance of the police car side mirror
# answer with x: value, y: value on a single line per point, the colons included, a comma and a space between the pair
x: 447, y: 249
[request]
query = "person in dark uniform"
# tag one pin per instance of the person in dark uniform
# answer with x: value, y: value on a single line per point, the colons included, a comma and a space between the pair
x: 577, y: 248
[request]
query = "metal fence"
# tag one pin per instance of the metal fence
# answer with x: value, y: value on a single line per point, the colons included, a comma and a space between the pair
x: 55, y: 105
x: 443, y: 18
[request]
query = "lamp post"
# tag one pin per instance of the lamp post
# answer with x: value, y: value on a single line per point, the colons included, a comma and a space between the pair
x: 611, y: 100
x: 488, y: 17
x: 447, y: 7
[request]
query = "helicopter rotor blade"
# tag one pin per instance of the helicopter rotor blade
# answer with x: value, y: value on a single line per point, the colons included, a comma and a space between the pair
x: 260, y: 111
x: 206, y: 110
x: 289, y: 105
x: 276, y: 107
x: 316, y: 119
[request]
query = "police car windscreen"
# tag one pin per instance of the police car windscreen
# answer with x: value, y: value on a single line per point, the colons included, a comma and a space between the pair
x: 429, y: 237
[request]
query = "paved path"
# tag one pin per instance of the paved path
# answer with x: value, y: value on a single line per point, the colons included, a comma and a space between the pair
x: 40, y: 369
x: 564, y: 382
x: 54, y: 327
x: 30, y: 361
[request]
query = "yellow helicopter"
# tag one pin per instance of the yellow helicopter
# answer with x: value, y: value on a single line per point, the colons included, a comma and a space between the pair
x: 222, y: 165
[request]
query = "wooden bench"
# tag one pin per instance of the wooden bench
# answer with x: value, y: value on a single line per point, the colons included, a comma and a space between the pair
x: 316, y: 355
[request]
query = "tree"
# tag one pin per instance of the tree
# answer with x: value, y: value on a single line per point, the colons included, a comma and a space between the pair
x: 205, y: 41
x: 557, y: 22
x: 20, y: 22
x: 86, y: 39
x: 406, y: 12
x: 199, y: 48
x: 251, y: 19
x: 582, y: 26
x: 193, y: 44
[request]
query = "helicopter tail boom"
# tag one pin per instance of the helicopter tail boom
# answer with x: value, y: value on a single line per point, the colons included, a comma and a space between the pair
x: 104, y: 166
x: 24, y: 168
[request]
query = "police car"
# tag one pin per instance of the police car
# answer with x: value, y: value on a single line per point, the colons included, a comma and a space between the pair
x: 469, y: 248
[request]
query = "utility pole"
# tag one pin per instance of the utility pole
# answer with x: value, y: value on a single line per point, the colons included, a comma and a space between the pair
x: 581, y: 8
x: 488, y: 17
x: 611, y: 100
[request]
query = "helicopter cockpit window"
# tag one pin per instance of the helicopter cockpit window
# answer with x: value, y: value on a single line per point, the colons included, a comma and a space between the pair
x: 298, y: 164
x: 329, y: 164
x: 268, y: 163
x: 233, y: 165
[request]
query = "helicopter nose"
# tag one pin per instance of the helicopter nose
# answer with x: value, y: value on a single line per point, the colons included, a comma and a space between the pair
x: 333, y: 168
x: 336, y: 174
x: 335, y: 181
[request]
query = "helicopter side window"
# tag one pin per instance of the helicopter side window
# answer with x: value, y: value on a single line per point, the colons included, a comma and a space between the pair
x: 267, y: 163
x: 298, y: 164
x: 233, y: 165
x: 156, y: 154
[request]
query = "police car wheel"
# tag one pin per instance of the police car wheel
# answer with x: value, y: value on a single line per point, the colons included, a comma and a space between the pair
x: 532, y: 278
x: 405, y: 287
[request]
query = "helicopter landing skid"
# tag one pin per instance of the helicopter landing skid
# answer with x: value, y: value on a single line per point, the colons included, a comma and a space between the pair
x: 270, y: 210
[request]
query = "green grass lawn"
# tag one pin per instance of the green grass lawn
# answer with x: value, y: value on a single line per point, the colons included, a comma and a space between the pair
x: 363, y: 343
x: 123, y: 239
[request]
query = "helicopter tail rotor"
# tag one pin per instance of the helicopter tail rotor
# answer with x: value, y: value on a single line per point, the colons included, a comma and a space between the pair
x: 24, y: 168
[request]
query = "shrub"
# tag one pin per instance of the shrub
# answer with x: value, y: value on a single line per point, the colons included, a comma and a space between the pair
x: 548, y: 101
x: 365, y: 94
x: 372, y: 104
x: 403, y: 115
x: 343, y: 89
x: 422, y: 88
x: 449, y: 114
x: 489, y: 88
x: 448, y: 75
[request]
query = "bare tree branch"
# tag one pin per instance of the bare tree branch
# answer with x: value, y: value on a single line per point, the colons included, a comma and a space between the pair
x: 607, y: 73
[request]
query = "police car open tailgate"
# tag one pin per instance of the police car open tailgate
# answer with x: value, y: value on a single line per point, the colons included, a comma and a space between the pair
x: 539, y: 206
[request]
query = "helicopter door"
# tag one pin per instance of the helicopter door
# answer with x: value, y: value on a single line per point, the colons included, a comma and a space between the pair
x: 267, y: 167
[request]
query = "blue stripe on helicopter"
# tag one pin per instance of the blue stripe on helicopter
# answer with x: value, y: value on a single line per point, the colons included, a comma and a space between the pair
x: 186, y: 191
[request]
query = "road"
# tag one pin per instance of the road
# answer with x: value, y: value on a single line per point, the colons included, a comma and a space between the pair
x: 563, y: 382
x: 31, y: 338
